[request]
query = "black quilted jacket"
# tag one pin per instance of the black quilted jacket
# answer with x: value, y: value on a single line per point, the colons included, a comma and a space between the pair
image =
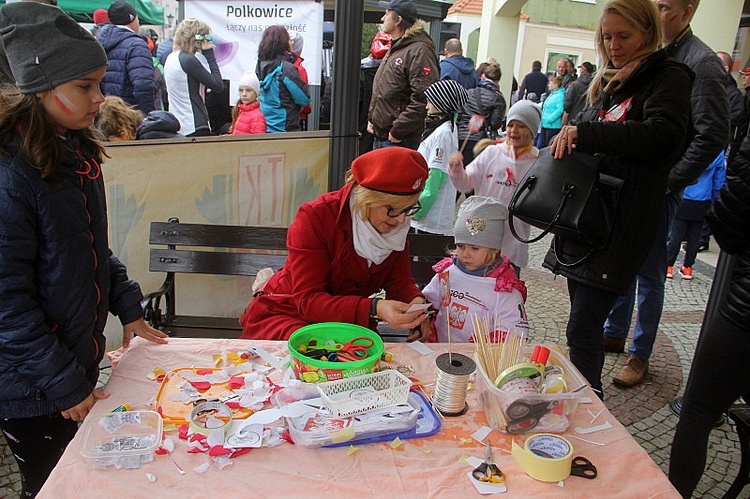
x: 58, y: 280
x: 730, y: 222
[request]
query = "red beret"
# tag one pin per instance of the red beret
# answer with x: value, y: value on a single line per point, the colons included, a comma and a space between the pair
x: 392, y: 170
x: 745, y: 71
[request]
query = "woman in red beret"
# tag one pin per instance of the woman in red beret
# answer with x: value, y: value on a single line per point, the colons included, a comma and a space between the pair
x: 345, y: 246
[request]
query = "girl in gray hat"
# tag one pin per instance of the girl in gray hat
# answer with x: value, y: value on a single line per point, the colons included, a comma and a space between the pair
x: 58, y: 276
x: 478, y: 279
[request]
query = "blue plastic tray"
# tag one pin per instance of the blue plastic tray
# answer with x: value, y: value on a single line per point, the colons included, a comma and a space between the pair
x: 428, y: 423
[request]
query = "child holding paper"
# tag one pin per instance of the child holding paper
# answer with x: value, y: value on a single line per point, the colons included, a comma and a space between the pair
x: 478, y: 279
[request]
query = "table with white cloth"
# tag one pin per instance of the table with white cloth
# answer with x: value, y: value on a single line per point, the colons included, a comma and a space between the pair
x: 433, y: 466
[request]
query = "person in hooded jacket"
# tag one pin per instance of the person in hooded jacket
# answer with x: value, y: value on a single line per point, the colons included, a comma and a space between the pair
x: 456, y: 67
x: 130, y: 72
x: 640, y: 102
x: 58, y: 277
x: 283, y: 94
x: 159, y: 125
x: 485, y: 100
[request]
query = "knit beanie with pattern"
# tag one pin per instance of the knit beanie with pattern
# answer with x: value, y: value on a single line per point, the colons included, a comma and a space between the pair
x: 447, y: 95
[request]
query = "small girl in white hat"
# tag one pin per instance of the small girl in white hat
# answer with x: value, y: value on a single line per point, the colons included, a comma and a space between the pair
x: 247, y: 118
x: 481, y: 280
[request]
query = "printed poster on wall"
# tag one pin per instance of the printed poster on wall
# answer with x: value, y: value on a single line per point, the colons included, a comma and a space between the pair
x: 237, y: 28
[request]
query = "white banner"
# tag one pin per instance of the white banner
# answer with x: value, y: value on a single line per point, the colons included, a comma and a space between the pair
x: 237, y: 28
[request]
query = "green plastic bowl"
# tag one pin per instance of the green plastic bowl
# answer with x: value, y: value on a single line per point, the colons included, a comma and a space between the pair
x: 314, y: 370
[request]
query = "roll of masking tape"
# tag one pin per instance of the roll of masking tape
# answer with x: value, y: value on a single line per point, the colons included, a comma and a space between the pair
x: 210, y: 416
x: 544, y: 457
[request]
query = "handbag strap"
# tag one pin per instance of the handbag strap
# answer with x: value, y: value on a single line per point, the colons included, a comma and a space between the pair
x: 557, y: 241
x: 569, y: 189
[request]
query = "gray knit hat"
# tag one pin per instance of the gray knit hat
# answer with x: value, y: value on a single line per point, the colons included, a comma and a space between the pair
x: 528, y: 113
x: 298, y: 42
x: 480, y: 222
x: 46, y: 48
x: 447, y: 95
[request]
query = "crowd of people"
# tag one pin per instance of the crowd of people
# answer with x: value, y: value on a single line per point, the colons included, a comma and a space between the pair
x: 644, y: 112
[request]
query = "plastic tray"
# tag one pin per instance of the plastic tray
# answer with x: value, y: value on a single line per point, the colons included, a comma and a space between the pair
x: 428, y: 423
x: 323, y: 429
x: 122, y: 440
x: 350, y: 396
x: 535, y: 412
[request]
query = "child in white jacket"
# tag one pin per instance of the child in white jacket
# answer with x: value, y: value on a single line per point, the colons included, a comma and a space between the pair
x: 480, y: 280
x: 497, y: 169
x: 438, y: 199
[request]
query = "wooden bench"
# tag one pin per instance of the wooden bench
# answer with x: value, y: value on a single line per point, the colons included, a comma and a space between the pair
x: 192, y: 249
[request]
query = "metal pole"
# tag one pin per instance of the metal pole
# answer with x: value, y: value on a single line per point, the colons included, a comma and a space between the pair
x: 347, y: 38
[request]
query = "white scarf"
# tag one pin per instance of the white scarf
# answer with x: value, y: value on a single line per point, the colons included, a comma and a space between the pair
x: 371, y: 244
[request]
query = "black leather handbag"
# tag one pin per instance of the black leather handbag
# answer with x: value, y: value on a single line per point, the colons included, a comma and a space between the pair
x: 567, y: 197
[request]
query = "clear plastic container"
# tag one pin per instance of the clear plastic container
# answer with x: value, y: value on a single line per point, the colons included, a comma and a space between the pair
x: 518, y: 413
x: 123, y: 440
x: 364, y: 393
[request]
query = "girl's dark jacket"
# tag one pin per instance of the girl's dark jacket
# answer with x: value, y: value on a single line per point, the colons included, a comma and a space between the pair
x: 640, y: 151
x: 58, y: 281
x: 729, y: 219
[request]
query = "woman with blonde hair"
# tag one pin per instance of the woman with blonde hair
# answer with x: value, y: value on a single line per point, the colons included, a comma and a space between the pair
x: 640, y: 111
x: 117, y: 120
x: 344, y: 247
x: 189, y: 77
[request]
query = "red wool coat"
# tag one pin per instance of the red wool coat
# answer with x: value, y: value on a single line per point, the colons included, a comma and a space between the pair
x: 324, y: 279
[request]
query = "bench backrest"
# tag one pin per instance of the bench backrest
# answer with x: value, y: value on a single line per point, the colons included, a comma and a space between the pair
x: 266, y: 248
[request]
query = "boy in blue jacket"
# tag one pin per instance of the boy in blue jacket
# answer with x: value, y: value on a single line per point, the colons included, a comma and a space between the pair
x: 691, y: 212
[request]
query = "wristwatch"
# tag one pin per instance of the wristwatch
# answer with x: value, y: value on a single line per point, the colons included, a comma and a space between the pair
x: 374, y: 308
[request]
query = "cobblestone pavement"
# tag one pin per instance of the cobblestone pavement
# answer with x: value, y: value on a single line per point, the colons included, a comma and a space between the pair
x: 643, y: 409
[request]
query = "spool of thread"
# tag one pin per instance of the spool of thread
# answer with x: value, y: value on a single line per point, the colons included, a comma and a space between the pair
x: 452, y: 383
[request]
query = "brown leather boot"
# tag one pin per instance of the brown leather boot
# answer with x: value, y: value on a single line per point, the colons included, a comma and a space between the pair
x: 616, y: 345
x: 632, y: 373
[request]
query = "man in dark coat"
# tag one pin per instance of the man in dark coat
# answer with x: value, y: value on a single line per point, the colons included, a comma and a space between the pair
x: 577, y: 93
x: 130, y: 73
x: 456, y: 67
x: 398, y: 106
x: 533, y: 83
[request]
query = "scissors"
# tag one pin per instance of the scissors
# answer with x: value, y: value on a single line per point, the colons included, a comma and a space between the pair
x: 583, y: 467
x: 355, y: 349
x: 523, y: 416
x: 488, y: 470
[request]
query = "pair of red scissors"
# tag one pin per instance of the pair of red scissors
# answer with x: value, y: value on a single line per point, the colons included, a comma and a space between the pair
x: 355, y: 349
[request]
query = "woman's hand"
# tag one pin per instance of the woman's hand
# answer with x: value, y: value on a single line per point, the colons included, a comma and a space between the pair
x: 79, y: 411
x: 394, y: 313
x: 564, y: 142
x: 140, y: 328
x: 421, y: 333
x: 206, y: 45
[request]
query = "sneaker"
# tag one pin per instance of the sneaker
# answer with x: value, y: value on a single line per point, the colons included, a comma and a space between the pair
x: 632, y: 373
x: 670, y: 272
x: 616, y: 345
x: 686, y: 273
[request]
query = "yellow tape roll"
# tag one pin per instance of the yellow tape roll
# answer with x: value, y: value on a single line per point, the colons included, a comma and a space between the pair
x: 545, y: 457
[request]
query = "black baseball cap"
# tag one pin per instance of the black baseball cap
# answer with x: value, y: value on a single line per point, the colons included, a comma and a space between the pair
x: 404, y: 8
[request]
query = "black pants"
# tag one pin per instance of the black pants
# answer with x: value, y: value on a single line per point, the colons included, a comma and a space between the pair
x: 37, y: 444
x: 689, y: 230
x: 589, y: 308
x: 718, y: 376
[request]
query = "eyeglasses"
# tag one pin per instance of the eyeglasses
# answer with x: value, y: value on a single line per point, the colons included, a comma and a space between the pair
x: 411, y: 210
x: 200, y: 38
